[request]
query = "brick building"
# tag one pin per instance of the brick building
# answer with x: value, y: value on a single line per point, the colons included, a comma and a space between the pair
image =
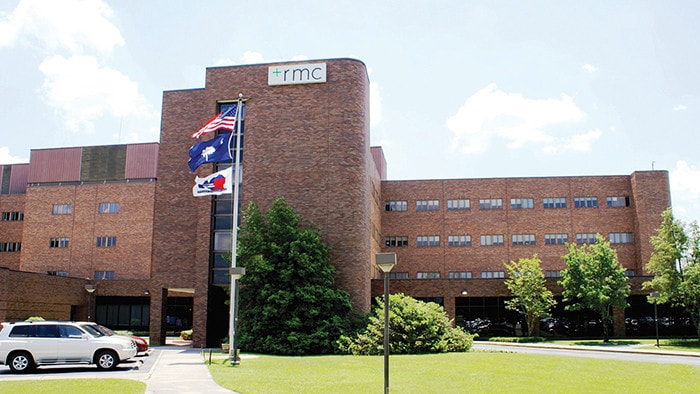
x: 123, y: 217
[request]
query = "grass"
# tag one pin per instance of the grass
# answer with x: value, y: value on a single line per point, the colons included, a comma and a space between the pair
x: 74, y: 386
x: 453, y: 373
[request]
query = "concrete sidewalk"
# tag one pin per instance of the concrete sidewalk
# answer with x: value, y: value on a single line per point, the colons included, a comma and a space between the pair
x: 181, y: 370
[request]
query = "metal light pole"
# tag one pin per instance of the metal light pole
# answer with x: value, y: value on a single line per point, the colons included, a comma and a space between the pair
x: 236, y: 273
x: 655, y: 297
x: 90, y: 289
x: 386, y: 262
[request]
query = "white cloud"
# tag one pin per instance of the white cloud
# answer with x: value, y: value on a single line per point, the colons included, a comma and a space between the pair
x: 7, y: 158
x: 71, y: 24
x: 589, y: 68
x: 491, y: 113
x: 83, y: 91
x: 680, y: 107
x: 250, y: 57
x: 685, y: 191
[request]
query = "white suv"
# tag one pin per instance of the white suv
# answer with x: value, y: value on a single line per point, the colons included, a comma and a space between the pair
x: 26, y: 345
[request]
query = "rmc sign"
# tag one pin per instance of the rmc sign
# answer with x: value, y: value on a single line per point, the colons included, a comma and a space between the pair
x: 296, y: 74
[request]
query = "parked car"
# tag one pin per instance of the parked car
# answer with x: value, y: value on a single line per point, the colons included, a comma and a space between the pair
x: 29, y: 344
x: 141, y: 344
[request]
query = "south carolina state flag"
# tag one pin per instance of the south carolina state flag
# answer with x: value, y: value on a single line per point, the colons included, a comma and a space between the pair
x: 215, y: 184
x: 214, y: 150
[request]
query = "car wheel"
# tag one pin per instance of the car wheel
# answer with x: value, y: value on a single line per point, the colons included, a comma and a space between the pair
x: 106, y: 359
x: 21, y: 362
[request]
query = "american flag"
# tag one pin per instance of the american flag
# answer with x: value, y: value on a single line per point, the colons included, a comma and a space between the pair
x: 223, y: 121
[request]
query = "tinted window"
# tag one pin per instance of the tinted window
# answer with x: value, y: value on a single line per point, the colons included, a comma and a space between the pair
x: 70, y: 332
x: 47, y: 331
x: 22, y: 331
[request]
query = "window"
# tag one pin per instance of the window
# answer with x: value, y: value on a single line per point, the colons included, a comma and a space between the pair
x: 556, y: 239
x: 585, y: 202
x: 62, y: 209
x: 395, y: 241
x: 585, y: 238
x: 431, y: 240
x: 554, y: 202
x: 459, y: 240
x: 109, y: 207
x: 57, y: 273
x: 10, y: 246
x: 523, y: 239
x: 621, y: 238
x: 395, y: 206
x: 104, y: 275
x: 457, y: 204
x: 459, y: 275
x: 522, y: 203
x: 629, y: 272
x: 58, y: 242
x: 106, y: 242
x: 493, y: 274
x: 490, y: 203
x: 552, y: 274
x: 427, y: 205
x: 428, y: 275
x: 398, y: 275
x: 12, y: 216
x: 491, y: 240
x: 614, y: 202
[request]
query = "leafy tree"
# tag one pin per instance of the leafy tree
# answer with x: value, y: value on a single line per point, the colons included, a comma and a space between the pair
x: 414, y: 327
x: 288, y: 302
x: 594, y: 280
x: 675, y: 264
x: 531, y: 298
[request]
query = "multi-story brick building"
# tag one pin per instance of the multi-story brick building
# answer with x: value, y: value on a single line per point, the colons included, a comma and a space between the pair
x: 123, y: 217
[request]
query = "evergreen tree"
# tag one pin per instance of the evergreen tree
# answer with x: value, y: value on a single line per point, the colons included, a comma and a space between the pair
x: 594, y: 280
x: 288, y: 302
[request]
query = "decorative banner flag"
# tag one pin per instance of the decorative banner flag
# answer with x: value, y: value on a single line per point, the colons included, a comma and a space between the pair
x: 214, y: 150
x: 215, y: 184
x: 223, y: 121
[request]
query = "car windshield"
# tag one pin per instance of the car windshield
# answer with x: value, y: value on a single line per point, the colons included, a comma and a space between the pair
x: 105, y: 330
x: 92, y: 329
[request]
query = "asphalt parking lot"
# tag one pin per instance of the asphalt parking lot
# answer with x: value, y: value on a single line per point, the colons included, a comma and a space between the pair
x: 136, y: 368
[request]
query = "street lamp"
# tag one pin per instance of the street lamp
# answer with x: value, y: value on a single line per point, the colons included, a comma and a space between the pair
x: 385, y: 262
x: 90, y: 288
x: 655, y: 297
x: 236, y: 273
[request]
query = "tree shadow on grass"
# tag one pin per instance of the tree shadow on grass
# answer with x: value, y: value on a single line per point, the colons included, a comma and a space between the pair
x: 610, y: 343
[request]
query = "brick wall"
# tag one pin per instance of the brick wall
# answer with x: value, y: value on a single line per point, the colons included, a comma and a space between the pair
x: 132, y: 226
x: 11, y: 231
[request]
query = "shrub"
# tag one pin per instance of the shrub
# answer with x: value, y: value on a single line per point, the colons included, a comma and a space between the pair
x: 517, y: 339
x: 414, y: 327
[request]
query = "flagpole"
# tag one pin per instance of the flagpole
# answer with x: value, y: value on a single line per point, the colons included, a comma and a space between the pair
x: 235, y: 273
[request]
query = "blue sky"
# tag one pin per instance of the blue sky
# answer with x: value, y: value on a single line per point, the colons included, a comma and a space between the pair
x: 460, y: 89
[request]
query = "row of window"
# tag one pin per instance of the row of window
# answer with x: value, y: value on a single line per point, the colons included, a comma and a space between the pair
x: 67, y: 209
x: 468, y: 274
x: 498, y: 239
x: 450, y: 275
x: 99, y: 275
x: 10, y: 246
x: 101, y: 242
x: 12, y: 216
x: 515, y: 203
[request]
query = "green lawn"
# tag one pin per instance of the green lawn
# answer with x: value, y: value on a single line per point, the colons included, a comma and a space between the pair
x: 73, y: 386
x: 453, y: 373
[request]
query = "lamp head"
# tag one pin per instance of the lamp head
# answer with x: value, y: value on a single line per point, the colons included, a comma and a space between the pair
x: 385, y: 261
